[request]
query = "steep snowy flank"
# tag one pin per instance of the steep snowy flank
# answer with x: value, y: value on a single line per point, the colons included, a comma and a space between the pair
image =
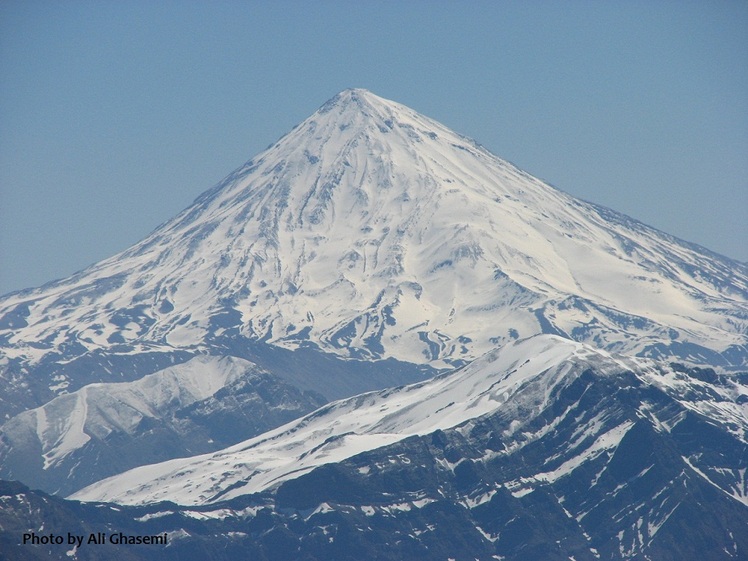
x: 201, y: 405
x: 520, y: 381
x: 372, y: 231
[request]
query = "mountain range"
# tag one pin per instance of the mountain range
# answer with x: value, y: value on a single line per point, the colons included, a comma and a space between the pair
x: 551, y: 377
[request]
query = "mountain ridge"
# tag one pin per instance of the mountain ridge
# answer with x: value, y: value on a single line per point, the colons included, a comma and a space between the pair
x: 516, y: 382
x: 102, y: 429
x: 543, y: 449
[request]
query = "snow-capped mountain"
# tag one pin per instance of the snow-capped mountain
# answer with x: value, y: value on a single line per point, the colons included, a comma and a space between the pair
x: 204, y: 404
x: 369, y: 248
x: 543, y: 449
x: 372, y: 231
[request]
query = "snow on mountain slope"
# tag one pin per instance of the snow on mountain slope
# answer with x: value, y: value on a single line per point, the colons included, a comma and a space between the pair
x: 106, y: 428
x: 101, y: 409
x: 372, y: 231
x: 517, y: 380
x: 339, y: 430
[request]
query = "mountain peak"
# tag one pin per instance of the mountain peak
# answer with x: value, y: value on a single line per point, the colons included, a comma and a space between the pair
x: 358, y: 98
x: 372, y: 231
x: 359, y: 109
x: 354, y: 95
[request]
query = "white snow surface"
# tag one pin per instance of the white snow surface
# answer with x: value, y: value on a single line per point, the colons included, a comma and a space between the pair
x: 347, y: 427
x: 66, y: 423
x: 371, y: 230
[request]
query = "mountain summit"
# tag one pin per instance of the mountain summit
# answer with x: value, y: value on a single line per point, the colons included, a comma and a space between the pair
x: 370, y: 231
x: 366, y: 249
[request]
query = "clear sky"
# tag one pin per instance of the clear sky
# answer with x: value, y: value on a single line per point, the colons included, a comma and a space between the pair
x: 116, y: 114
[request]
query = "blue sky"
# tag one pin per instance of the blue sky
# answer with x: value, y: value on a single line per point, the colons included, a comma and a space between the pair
x: 115, y: 115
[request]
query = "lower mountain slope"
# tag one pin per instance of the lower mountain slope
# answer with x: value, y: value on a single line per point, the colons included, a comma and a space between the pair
x: 348, y: 426
x: 204, y: 404
x: 542, y: 450
x: 545, y: 449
